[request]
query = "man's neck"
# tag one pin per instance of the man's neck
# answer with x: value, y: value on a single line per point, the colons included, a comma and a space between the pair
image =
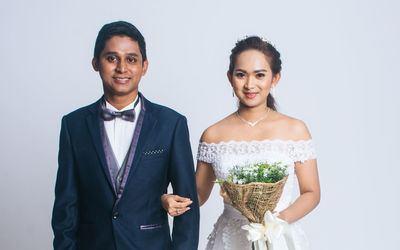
x: 120, y: 102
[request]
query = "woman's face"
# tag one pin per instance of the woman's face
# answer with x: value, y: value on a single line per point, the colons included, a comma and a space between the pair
x: 252, y: 78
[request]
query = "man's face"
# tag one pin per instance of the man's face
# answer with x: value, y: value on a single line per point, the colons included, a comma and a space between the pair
x: 121, y: 67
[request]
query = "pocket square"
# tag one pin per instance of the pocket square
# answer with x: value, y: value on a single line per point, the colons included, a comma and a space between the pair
x: 153, y: 152
x: 149, y: 227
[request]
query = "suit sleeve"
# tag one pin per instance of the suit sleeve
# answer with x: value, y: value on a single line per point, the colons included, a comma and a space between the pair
x: 65, y: 211
x: 185, y: 234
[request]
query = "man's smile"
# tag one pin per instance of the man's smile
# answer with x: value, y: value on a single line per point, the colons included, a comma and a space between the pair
x: 121, y: 80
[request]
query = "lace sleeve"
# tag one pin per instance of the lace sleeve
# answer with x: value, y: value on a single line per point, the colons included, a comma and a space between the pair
x: 303, y: 151
x: 206, y: 152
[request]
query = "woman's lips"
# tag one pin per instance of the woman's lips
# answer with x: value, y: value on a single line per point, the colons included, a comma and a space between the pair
x: 250, y: 95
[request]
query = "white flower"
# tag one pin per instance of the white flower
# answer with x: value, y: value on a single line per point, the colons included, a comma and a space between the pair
x: 235, y: 180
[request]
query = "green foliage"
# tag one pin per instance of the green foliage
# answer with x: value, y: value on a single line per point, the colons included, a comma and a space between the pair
x: 258, y: 172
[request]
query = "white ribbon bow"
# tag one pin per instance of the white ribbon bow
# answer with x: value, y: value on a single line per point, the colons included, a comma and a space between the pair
x: 268, y: 232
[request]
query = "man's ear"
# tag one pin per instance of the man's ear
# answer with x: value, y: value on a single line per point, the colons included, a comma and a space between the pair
x: 95, y: 64
x: 145, y: 66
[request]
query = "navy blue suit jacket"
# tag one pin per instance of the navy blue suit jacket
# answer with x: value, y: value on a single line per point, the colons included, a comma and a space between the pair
x: 88, y: 215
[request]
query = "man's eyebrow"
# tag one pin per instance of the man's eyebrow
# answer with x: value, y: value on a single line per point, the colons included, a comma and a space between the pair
x: 115, y: 53
x: 110, y: 53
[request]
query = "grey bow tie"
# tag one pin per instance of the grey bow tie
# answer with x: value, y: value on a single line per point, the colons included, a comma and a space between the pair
x: 127, y: 115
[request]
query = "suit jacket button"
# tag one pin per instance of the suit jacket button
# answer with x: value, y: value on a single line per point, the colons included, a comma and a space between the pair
x: 115, y: 215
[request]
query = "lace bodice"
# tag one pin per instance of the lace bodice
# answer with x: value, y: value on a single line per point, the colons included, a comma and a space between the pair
x: 224, y: 155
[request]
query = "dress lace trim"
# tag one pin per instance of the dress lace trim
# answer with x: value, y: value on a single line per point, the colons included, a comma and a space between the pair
x: 298, y: 151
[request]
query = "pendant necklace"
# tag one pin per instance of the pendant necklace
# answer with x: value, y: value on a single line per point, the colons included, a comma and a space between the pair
x: 252, y: 124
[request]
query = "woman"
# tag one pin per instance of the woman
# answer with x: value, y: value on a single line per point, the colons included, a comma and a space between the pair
x: 255, y: 132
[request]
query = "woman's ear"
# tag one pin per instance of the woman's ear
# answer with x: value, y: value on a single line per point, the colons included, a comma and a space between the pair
x: 228, y: 74
x: 275, y: 79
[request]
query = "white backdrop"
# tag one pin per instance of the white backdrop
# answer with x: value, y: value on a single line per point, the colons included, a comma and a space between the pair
x: 340, y: 76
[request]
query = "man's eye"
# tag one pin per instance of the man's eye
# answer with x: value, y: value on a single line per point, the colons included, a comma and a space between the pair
x: 111, y: 58
x: 131, y: 59
x: 239, y: 74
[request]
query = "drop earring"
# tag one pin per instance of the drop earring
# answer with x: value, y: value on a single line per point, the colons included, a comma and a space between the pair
x: 233, y: 93
x: 272, y: 91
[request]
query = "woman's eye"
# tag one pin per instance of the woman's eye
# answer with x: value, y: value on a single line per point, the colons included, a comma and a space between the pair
x: 239, y: 74
x: 111, y: 58
x: 260, y: 75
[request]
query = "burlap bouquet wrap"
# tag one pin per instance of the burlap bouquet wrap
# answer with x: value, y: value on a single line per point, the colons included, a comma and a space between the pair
x: 253, y: 199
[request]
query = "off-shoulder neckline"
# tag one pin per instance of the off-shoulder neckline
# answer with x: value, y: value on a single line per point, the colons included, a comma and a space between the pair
x: 257, y: 141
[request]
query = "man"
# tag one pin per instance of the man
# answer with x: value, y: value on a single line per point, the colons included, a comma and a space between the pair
x: 118, y: 156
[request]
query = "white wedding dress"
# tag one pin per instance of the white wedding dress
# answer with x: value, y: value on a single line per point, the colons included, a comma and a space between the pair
x: 227, y: 233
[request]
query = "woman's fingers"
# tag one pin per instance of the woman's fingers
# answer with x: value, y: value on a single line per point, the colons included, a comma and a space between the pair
x: 181, y: 204
x: 178, y: 211
x: 175, y: 205
x: 175, y: 201
x: 180, y: 199
x: 175, y: 208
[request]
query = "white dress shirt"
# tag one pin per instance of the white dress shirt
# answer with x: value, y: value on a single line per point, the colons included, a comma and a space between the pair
x: 120, y: 132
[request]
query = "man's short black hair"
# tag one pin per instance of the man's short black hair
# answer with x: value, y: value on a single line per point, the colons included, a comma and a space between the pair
x: 120, y: 28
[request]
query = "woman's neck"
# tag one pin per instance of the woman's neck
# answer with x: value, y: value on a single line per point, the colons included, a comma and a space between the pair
x: 252, y: 113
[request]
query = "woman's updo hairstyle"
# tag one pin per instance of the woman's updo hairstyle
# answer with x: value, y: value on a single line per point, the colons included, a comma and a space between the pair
x: 272, y: 55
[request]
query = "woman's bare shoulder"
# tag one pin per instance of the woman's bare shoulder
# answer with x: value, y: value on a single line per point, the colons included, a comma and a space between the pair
x: 216, y: 132
x: 295, y: 129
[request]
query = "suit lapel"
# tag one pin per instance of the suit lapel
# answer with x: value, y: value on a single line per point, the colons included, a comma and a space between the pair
x: 94, y: 128
x: 149, y: 124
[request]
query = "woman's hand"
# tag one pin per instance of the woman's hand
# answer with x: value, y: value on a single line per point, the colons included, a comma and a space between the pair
x: 174, y: 204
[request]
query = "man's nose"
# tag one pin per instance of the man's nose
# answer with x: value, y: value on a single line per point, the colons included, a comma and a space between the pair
x: 121, y: 66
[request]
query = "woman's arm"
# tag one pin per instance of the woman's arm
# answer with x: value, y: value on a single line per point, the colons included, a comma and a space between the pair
x: 205, y: 177
x: 307, y: 176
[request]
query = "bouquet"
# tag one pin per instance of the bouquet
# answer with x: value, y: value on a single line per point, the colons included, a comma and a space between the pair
x: 255, y: 190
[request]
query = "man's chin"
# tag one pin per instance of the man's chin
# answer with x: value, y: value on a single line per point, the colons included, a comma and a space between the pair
x: 122, y: 93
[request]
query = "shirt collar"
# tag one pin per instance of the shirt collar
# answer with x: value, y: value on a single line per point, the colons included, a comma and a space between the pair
x: 129, y: 106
